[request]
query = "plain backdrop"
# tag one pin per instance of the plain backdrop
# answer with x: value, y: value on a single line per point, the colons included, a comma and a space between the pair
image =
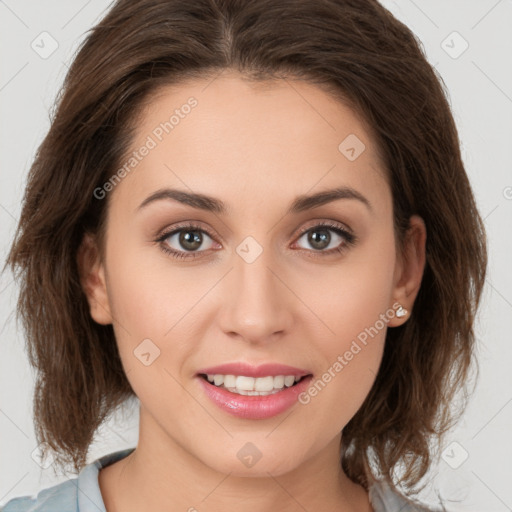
x: 470, y: 44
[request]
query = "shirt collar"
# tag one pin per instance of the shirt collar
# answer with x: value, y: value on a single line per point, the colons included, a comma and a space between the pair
x: 89, y: 497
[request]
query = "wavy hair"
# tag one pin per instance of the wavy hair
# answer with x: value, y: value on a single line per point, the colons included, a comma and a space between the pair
x: 363, y: 56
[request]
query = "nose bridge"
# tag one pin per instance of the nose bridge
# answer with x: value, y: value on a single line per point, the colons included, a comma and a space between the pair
x: 255, y: 305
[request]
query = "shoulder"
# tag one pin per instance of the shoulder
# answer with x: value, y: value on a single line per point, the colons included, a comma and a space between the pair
x: 79, y: 494
x: 60, y: 497
x: 384, y: 499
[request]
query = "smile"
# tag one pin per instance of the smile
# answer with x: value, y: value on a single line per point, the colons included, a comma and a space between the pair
x: 251, y: 386
x: 253, y: 392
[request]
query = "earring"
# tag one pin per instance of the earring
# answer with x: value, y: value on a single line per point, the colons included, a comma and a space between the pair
x: 401, y: 312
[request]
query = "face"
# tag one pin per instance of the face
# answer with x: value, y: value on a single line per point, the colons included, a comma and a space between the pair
x: 257, y: 277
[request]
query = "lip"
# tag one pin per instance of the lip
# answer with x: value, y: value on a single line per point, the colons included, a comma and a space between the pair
x: 264, y: 370
x: 254, y: 407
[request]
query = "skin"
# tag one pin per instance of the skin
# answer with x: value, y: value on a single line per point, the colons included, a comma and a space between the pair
x: 255, y: 147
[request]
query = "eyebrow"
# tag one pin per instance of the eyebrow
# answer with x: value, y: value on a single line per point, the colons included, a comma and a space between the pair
x: 212, y: 204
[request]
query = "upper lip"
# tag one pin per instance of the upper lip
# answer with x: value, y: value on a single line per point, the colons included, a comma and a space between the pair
x: 263, y: 370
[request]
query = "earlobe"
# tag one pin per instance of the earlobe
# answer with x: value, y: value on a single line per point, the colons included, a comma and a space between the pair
x: 92, y: 279
x: 409, y: 271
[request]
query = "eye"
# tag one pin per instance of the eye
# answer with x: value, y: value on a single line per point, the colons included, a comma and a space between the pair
x: 322, y: 240
x: 185, y: 241
x: 189, y: 240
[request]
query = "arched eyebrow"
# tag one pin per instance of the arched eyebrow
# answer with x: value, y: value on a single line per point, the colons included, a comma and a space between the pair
x: 300, y: 203
x: 307, y: 202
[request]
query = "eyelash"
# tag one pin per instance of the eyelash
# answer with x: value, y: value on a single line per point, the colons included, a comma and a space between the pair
x: 349, y: 240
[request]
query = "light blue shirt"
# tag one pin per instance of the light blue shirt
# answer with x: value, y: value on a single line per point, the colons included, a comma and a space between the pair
x: 82, y: 494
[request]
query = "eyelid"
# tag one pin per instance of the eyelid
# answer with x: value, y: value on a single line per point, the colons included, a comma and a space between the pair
x: 192, y: 225
x: 324, y: 223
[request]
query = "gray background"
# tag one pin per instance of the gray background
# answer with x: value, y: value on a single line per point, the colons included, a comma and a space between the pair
x: 474, y: 472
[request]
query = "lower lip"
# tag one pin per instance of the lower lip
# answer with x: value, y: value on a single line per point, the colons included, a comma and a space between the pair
x: 255, y: 407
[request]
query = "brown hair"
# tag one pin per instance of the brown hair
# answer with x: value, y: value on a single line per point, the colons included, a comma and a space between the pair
x: 357, y: 50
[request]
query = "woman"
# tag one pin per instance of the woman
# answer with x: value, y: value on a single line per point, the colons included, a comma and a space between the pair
x: 253, y: 217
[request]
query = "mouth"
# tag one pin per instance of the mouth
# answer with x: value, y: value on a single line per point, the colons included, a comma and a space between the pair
x: 254, y: 392
x: 253, y: 386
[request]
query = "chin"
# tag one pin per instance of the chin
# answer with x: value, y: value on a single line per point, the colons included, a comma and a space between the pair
x: 249, y: 461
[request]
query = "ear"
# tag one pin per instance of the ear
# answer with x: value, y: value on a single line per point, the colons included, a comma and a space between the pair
x: 92, y: 279
x: 409, y: 269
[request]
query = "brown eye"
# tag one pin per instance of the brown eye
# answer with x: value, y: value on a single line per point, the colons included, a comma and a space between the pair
x: 190, y: 240
x: 327, y: 238
x: 319, y: 238
x: 186, y: 241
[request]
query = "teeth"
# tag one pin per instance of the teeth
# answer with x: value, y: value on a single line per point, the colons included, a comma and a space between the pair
x: 229, y: 381
x: 279, y: 381
x: 244, y: 383
x: 263, y: 384
x: 252, y: 386
x: 289, y: 380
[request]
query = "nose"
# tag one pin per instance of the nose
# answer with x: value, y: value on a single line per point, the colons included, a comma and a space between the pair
x: 256, y: 305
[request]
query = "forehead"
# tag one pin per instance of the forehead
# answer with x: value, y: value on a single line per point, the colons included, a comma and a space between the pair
x: 226, y: 136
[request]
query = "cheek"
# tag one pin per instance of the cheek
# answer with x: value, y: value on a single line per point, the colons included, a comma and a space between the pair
x: 145, y: 307
x: 156, y: 308
x: 146, y: 295
x: 352, y: 295
x: 357, y: 309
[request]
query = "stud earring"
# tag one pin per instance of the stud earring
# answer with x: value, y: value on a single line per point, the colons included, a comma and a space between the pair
x: 401, y: 312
